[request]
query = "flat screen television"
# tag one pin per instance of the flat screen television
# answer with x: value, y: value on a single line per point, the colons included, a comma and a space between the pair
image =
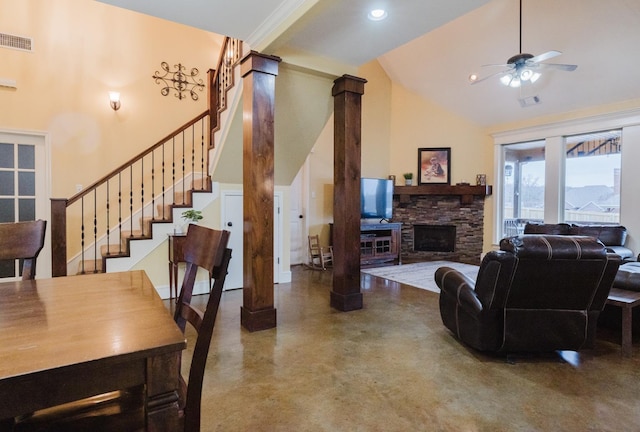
x: 376, y: 198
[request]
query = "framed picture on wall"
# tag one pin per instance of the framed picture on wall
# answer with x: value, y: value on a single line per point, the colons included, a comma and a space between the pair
x: 434, y: 165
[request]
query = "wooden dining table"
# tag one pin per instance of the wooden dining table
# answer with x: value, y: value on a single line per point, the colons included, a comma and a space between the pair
x: 67, y: 338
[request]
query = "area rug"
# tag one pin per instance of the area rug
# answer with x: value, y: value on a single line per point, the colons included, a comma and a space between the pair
x: 420, y: 275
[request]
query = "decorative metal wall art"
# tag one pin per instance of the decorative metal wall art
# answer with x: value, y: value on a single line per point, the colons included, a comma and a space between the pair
x: 179, y: 81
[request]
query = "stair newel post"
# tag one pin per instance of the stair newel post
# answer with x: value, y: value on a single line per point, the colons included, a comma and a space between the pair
x: 213, y: 105
x: 58, y: 237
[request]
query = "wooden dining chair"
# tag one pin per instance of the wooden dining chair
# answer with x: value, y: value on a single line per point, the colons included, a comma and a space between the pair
x: 121, y: 410
x: 205, y: 248
x: 24, y: 241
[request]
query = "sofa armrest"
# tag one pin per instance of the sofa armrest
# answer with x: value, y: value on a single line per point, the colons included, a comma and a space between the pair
x: 623, y: 252
x: 455, y: 284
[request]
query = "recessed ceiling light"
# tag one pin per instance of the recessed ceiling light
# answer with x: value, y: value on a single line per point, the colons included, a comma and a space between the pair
x: 377, y: 15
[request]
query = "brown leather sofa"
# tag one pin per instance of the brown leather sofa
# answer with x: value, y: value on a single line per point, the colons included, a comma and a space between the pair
x: 612, y: 236
x: 537, y: 293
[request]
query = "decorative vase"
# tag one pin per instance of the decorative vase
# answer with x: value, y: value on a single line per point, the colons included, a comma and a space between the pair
x: 408, y: 182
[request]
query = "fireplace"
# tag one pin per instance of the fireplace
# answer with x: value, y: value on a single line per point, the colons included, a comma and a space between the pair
x: 454, y: 228
x: 434, y: 238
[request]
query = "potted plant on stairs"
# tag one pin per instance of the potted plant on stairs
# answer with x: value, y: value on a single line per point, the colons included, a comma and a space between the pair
x: 408, y: 179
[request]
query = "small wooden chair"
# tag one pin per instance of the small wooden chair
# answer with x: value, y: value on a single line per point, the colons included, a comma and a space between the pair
x: 23, y: 240
x: 121, y: 410
x: 319, y: 257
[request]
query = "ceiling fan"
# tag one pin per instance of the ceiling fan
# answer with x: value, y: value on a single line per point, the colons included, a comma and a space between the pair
x: 524, y: 68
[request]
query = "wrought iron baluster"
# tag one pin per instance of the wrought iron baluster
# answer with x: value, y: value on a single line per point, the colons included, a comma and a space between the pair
x: 120, y: 212
x: 95, y: 230
x: 163, y: 184
x: 108, y: 212
x: 202, y: 150
x: 173, y: 170
x: 130, y: 201
x: 193, y: 157
x: 142, y: 224
x: 153, y: 185
x: 183, y: 165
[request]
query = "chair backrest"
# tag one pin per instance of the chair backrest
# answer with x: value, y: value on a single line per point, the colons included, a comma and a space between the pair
x: 544, y: 286
x: 314, y: 245
x: 205, y: 248
x: 23, y: 240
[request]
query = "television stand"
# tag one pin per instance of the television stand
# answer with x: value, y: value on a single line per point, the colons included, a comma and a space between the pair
x: 380, y: 244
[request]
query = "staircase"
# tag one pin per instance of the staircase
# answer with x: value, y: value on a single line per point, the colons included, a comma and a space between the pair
x: 115, y: 222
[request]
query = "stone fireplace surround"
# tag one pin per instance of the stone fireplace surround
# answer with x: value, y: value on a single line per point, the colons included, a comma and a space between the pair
x: 467, y: 215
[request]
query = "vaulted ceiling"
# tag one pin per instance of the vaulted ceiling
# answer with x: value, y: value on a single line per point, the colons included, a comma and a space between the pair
x: 432, y: 46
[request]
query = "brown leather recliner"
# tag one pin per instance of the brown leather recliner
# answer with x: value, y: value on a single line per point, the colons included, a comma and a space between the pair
x: 537, y: 293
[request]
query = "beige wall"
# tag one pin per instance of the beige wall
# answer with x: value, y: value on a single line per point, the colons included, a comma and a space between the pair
x: 418, y: 123
x: 82, y: 50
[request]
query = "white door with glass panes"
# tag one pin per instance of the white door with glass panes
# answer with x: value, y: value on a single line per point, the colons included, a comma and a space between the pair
x: 23, y: 191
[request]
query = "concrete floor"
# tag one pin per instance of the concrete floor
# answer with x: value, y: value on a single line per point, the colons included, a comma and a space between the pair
x: 393, y: 366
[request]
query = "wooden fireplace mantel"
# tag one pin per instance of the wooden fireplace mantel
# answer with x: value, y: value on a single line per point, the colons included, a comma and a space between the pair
x: 466, y: 192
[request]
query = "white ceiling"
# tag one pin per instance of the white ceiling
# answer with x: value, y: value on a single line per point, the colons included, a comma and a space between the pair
x: 431, y: 46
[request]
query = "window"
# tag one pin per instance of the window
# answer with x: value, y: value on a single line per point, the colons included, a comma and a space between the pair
x: 592, y: 178
x: 523, y: 185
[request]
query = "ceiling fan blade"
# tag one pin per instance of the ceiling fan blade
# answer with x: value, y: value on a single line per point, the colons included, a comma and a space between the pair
x: 564, y: 67
x: 498, y: 65
x: 491, y: 76
x: 544, y: 56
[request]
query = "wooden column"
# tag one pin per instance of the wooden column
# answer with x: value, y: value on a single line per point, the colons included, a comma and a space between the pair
x: 347, y: 92
x: 259, y: 76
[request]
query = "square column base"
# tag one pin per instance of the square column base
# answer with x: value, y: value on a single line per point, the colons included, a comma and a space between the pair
x: 258, y: 320
x: 346, y: 302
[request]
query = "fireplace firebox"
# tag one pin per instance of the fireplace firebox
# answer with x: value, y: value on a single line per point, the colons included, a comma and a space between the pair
x: 434, y: 238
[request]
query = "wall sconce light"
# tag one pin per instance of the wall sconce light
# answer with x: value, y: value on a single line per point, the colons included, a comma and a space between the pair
x: 228, y: 57
x: 114, y: 100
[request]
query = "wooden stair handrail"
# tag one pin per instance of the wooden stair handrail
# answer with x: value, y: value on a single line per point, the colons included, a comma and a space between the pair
x: 135, y: 159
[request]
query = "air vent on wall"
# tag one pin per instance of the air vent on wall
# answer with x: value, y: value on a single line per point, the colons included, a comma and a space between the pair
x: 16, y: 42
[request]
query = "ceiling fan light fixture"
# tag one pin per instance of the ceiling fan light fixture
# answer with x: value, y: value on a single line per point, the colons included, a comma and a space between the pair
x: 527, y: 74
x: 511, y: 80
